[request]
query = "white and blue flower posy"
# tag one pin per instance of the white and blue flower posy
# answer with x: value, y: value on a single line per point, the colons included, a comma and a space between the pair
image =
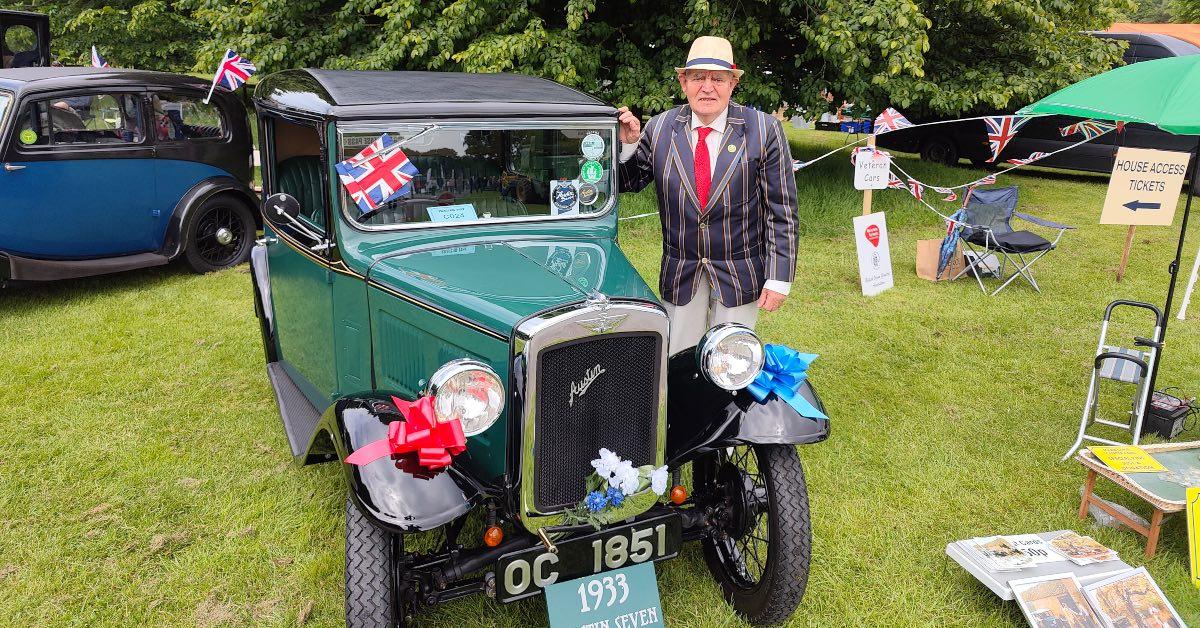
x: 621, y: 474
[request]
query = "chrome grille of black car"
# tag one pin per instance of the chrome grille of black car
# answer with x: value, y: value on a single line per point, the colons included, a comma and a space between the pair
x: 617, y: 409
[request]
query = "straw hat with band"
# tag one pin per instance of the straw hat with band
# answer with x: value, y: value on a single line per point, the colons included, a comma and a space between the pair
x: 711, y: 53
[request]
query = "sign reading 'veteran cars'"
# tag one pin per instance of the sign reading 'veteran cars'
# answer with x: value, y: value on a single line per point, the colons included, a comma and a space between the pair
x: 871, y: 170
x: 1144, y: 187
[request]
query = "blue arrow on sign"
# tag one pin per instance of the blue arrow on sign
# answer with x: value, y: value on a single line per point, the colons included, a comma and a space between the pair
x: 1136, y: 205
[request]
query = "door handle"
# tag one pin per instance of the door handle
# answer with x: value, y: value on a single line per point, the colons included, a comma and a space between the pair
x: 266, y: 240
x: 12, y: 168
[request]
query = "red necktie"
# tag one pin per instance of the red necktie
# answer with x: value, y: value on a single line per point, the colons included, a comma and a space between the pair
x: 702, y: 167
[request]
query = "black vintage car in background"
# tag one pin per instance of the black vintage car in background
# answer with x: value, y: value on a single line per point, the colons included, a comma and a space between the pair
x: 517, y: 314
x: 24, y: 39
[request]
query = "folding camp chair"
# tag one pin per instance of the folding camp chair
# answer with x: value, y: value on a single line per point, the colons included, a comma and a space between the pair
x: 987, y: 231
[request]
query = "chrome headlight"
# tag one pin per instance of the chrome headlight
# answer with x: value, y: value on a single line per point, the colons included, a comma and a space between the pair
x: 467, y: 390
x: 730, y: 356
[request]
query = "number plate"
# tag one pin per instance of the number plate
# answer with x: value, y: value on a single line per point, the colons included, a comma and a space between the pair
x: 525, y: 573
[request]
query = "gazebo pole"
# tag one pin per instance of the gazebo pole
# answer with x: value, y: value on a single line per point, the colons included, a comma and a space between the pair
x: 1174, y: 270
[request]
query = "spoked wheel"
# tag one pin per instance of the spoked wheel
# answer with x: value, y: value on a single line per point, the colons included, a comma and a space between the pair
x: 370, y: 572
x: 760, y: 547
x: 219, y: 234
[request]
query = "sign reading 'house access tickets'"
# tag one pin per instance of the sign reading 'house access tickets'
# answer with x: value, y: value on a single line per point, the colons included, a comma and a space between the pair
x: 1144, y: 187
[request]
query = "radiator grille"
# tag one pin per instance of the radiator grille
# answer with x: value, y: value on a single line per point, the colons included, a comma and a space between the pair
x: 618, y: 410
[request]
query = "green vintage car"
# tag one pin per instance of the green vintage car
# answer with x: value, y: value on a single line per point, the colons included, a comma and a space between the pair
x: 465, y: 349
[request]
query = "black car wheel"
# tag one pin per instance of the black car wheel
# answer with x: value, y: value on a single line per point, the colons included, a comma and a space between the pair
x: 219, y: 234
x: 940, y: 149
x: 369, y: 572
x: 760, y: 547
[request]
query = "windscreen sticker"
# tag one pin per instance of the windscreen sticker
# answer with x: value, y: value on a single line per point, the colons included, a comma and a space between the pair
x: 592, y: 146
x: 564, y: 198
x: 449, y: 213
x: 591, y: 172
x: 588, y: 194
x: 29, y: 136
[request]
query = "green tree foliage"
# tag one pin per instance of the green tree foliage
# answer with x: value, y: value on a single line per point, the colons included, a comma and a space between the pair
x: 148, y: 34
x: 943, y: 57
x: 1185, y: 11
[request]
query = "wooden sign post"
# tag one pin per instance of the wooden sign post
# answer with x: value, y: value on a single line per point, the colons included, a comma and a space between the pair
x: 1125, y: 252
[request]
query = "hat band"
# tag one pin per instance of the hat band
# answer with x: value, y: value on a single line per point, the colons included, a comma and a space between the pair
x: 709, y: 61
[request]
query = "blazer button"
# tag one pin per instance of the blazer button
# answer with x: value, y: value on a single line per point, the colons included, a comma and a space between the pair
x: 703, y: 260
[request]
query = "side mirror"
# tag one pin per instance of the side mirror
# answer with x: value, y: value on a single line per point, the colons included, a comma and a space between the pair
x: 282, y: 207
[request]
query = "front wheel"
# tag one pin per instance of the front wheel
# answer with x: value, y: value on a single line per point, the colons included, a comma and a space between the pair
x: 218, y: 234
x: 369, y: 572
x: 760, y: 545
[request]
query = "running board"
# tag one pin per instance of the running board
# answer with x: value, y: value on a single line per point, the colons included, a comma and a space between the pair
x: 299, y: 416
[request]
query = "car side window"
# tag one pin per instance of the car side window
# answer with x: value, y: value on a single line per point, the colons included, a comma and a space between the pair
x: 82, y: 120
x: 298, y: 169
x: 179, y: 118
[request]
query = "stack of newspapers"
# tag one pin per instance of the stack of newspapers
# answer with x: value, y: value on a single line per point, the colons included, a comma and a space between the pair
x: 995, y: 560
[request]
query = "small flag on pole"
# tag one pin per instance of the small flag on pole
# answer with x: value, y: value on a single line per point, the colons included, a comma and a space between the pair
x: 377, y: 174
x: 1001, y: 130
x: 890, y: 120
x: 97, y: 60
x: 233, y: 72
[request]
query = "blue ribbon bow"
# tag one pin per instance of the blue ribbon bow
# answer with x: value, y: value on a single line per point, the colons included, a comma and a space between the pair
x: 783, y: 373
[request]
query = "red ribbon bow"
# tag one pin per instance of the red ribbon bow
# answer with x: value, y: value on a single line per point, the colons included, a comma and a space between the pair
x: 420, y: 432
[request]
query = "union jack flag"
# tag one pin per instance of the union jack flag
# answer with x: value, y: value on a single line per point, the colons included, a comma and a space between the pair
x: 377, y: 174
x: 233, y: 71
x: 1001, y: 130
x: 916, y: 189
x: 97, y: 60
x: 949, y: 192
x: 1089, y: 129
x: 1034, y: 156
x: 988, y: 180
x: 895, y: 183
x: 890, y: 120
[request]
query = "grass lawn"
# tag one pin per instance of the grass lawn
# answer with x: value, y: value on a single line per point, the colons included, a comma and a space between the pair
x: 146, y: 476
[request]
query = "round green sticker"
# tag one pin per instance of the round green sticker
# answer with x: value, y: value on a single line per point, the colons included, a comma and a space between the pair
x: 28, y: 136
x: 591, y: 172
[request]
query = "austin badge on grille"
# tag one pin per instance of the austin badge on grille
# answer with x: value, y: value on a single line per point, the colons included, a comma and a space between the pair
x: 580, y: 387
x: 603, y: 323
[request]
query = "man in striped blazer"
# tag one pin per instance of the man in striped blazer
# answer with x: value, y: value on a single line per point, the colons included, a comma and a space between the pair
x: 726, y: 197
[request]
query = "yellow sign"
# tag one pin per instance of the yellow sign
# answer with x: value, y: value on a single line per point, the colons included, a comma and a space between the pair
x: 1144, y: 187
x: 1127, y: 459
x: 1193, y: 523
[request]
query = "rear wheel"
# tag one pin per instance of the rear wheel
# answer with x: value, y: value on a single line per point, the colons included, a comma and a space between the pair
x: 760, y: 548
x: 369, y: 572
x: 940, y: 149
x: 218, y: 234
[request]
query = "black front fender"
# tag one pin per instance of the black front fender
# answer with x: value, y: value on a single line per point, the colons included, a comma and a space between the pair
x: 702, y: 417
x: 396, y: 494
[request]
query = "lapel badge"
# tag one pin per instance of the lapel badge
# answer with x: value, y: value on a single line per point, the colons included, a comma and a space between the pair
x: 732, y: 148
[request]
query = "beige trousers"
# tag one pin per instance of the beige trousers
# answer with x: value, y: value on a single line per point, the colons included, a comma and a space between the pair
x: 690, y: 322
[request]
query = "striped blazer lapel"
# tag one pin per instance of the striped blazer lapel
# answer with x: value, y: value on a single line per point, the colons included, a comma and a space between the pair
x: 726, y: 160
x: 681, y: 153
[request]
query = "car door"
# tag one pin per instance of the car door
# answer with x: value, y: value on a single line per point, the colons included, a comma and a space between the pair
x: 79, y: 177
x: 298, y: 259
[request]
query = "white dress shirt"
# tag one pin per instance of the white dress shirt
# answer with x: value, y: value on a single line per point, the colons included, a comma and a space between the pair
x: 718, y: 126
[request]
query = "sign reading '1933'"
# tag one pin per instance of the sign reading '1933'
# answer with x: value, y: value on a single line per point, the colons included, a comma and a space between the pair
x: 625, y: 598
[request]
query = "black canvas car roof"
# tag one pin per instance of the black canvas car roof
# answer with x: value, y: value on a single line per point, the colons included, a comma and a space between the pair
x: 351, y: 94
x: 18, y: 79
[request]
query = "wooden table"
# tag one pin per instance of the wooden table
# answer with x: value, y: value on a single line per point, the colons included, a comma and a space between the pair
x: 1163, y: 505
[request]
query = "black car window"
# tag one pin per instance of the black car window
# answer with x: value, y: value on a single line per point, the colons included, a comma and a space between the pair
x: 179, y: 118
x: 1149, y: 52
x: 82, y: 120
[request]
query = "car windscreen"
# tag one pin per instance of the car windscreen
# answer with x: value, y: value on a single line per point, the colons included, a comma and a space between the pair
x: 394, y: 175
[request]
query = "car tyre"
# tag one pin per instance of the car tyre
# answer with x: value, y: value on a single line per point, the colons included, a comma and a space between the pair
x: 369, y: 572
x: 218, y: 234
x: 940, y: 149
x: 770, y: 596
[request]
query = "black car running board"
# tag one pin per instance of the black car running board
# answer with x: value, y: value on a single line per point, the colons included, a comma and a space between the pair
x: 28, y: 269
x: 298, y: 414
